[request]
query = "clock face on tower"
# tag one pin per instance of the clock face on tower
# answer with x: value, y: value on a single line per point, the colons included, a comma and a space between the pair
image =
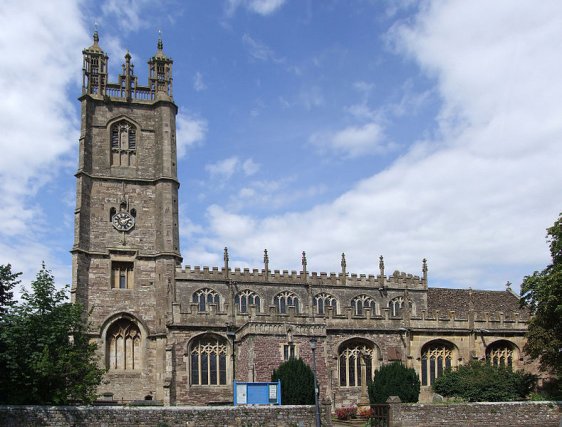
x: 123, y: 221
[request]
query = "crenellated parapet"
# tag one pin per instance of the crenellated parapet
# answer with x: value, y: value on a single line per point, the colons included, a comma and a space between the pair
x: 213, y: 274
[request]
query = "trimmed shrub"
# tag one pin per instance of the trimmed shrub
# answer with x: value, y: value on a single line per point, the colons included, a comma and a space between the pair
x: 297, y: 382
x: 394, y: 379
x: 482, y: 382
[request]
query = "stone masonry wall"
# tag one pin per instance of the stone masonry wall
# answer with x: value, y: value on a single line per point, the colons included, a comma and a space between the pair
x: 78, y: 416
x: 528, y: 414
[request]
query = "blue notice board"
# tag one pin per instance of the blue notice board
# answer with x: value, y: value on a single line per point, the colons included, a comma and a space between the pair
x: 257, y: 393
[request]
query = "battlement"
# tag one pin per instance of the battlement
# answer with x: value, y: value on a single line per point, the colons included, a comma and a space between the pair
x: 397, y: 279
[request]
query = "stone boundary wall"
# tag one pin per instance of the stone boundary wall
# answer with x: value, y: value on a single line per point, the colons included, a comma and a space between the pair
x: 528, y: 414
x: 174, y: 416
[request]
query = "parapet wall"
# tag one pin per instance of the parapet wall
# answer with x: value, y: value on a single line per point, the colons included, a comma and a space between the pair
x: 120, y: 416
x: 397, y: 279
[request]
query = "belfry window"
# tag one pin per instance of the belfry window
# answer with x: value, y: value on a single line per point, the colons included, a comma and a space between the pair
x: 351, y: 356
x: 123, y: 144
x: 322, y: 301
x: 500, y: 353
x: 123, y: 346
x: 436, y: 357
x: 204, y: 297
x: 284, y: 300
x: 208, y: 359
x: 245, y: 299
x: 359, y: 303
x: 122, y: 275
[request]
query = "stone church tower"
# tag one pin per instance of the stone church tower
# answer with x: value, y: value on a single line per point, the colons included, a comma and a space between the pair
x: 126, y: 240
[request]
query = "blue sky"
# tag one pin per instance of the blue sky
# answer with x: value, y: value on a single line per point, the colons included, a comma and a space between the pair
x: 412, y: 130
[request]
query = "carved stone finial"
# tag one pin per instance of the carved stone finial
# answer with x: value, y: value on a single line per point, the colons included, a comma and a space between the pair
x: 508, y: 286
x: 160, y: 45
x: 265, y: 257
x: 381, y: 265
x: 226, y: 254
x: 304, y: 260
x: 96, y: 35
x: 343, y: 263
x: 424, y: 265
x: 128, y: 56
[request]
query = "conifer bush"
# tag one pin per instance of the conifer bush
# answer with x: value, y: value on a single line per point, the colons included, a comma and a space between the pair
x: 394, y: 379
x: 297, y: 382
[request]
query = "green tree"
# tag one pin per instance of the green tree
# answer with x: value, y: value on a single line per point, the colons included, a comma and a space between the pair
x: 297, y: 382
x: 542, y: 294
x: 8, y: 281
x: 482, y: 382
x: 394, y: 379
x: 47, y: 357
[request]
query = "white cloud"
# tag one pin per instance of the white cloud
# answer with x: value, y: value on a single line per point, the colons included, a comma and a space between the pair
x: 198, y: 83
x: 259, y: 50
x: 191, y: 130
x: 37, y: 65
x: 128, y: 14
x: 261, y: 7
x: 475, y: 199
x: 352, y: 141
x: 250, y: 167
x: 223, y: 169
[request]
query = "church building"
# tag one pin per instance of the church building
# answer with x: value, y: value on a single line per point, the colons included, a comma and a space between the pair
x: 182, y: 335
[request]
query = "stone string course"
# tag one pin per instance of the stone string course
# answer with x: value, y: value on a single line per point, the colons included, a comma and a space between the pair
x: 116, y: 416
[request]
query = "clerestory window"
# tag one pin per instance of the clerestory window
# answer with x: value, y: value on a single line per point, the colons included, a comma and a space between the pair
x: 324, y: 300
x: 245, y: 299
x: 359, y: 303
x: 204, y: 297
x: 284, y: 300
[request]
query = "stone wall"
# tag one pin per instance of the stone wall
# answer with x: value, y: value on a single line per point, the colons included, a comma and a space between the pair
x: 114, y: 416
x: 528, y: 414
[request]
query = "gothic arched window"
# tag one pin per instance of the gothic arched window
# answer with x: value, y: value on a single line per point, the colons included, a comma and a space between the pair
x: 286, y: 299
x: 208, y: 360
x: 123, y: 346
x: 245, y: 298
x: 206, y: 296
x: 500, y: 353
x: 123, y: 143
x: 396, y: 306
x: 350, y: 357
x: 436, y: 356
x: 361, y: 302
x: 324, y: 300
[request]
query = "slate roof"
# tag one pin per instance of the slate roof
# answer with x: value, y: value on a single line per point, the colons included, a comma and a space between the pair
x: 458, y: 300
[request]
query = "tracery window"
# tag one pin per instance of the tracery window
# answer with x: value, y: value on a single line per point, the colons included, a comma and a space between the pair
x: 289, y: 352
x: 123, y: 346
x: 500, y: 353
x: 208, y: 358
x: 349, y: 361
x: 396, y: 306
x: 286, y: 299
x: 245, y: 298
x: 123, y: 144
x: 436, y: 357
x: 204, y: 297
x: 361, y: 302
x: 324, y: 300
